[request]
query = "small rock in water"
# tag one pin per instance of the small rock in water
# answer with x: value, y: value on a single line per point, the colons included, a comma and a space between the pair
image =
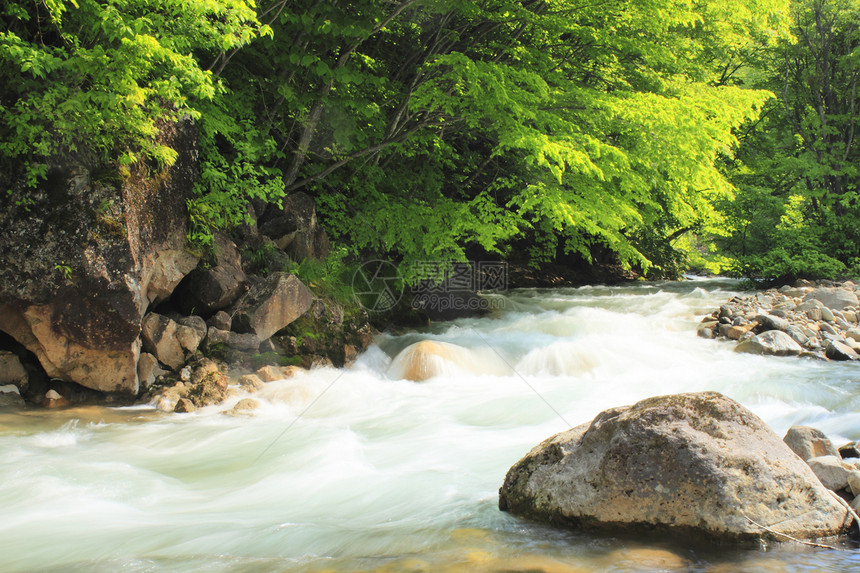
x: 184, y: 406
x: 839, y: 351
x: 849, y: 450
x: 243, y: 407
x: 185, y: 374
x: 269, y: 373
x: 646, y: 559
x: 10, y: 396
x: 290, y: 371
x: 250, y: 382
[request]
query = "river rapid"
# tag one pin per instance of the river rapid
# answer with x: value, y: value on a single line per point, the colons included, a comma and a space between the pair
x: 356, y: 470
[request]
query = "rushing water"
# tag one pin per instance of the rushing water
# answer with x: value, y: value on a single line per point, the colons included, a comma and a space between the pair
x: 354, y: 470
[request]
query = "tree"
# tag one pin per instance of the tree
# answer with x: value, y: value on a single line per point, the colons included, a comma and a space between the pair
x: 797, y: 213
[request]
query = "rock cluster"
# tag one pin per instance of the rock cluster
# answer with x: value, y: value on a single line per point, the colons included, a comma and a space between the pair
x: 208, y: 384
x: 698, y: 464
x: 838, y: 470
x: 816, y: 321
x: 100, y: 296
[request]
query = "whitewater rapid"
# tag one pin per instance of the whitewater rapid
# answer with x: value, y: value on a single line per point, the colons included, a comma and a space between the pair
x: 357, y: 470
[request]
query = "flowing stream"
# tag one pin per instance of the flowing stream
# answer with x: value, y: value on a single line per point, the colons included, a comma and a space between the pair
x: 355, y: 470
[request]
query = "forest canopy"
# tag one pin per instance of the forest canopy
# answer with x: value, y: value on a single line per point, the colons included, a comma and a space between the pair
x: 717, y: 133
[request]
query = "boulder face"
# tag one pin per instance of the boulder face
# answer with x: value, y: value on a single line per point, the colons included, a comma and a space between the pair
x: 84, y: 257
x: 698, y: 464
x: 772, y: 342
x: 271, y: 305
x: 215, y: 285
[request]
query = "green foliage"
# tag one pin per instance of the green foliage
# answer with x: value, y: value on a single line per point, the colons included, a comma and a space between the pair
x: 423, y: 129
x: 99, y: 77
x: 64, y: 269
x: 796, y: 212
x: 329, y: 278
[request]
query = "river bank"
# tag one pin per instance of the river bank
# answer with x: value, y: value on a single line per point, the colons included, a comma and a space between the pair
x: 811, y: 320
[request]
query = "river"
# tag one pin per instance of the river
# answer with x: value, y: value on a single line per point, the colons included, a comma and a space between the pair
x: 355, y: 470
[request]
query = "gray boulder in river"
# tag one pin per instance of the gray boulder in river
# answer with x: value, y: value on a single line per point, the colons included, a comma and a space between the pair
x: 697, y: 463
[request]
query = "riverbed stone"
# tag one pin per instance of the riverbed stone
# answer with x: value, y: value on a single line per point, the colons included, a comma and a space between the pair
x: 244, y: 406
x: 836, y: 350
x: 849, y: 450
x: 244, y: 342
x: 148, y: 369
x: 269, y: 373
x: 220, y: 320
x: 808, y: 442
x: 833, y: 298
x: 772, y: 343
x: 797, y: 334
x: 54, y: 399
x: 697, y: 463
x: 209, y: 385
x: 737, y: 332
x: 827, y: 329
x: 854, y: 481
x: 772, y: 322
x: 159, y: 339
x: 831, y: 471
x: 250, y: 382
x: 184, y: 406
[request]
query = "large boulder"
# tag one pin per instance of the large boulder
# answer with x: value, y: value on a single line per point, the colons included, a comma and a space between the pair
x: 85, y: 254
x: 697, y: 463
x: 271, y: 305
x: 216, y: 284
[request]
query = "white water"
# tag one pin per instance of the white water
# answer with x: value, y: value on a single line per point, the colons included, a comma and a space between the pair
x: 349, y: 470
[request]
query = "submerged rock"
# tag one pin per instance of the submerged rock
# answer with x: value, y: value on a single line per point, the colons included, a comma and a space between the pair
x: 429, y: 358
x: 695, y: 463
